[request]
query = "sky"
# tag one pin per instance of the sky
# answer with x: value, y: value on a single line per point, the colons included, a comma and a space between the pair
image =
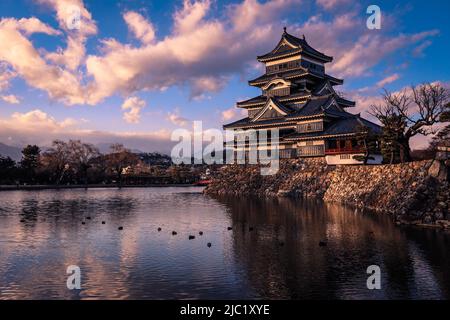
x: 132, y: 71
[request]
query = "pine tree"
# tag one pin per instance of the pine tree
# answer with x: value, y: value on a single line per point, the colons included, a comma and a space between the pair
x: 30, y: 161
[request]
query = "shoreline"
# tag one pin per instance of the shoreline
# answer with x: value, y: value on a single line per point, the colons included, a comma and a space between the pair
x: 414, y: 193
x: 90, y: 186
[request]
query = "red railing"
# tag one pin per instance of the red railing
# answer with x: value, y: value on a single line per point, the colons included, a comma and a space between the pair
x: 344, y: 150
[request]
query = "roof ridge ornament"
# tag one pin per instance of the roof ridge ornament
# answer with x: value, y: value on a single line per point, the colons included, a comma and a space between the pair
x: 284, y: 30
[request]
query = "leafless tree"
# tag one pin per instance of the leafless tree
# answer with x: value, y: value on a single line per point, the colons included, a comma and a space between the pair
x: 119, y: 159
x: 56, y: 160
x: 411, y: 112
x: 81, y: 156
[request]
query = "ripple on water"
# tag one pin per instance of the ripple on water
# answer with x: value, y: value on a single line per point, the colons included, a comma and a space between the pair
x: 140, y: 262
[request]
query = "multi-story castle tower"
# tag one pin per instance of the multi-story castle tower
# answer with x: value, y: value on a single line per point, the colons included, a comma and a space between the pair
x: 298, y: 98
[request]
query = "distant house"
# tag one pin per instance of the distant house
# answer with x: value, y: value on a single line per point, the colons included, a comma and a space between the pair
x: 298, y: 98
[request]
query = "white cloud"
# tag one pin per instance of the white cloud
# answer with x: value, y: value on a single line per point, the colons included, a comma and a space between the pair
x: 201, y: 52
x: 232, y: 113
x: 36, y: 120
x: 28, y: 26
x: 355, y: 49
x: 387, y: 80
x: 141, y: 28
x: 27, y: 62
x: 419, y: 50
x: 38, y: 127
x: 331, y: 4
x: 12, y: 99
x: 176, y: 119
x: 73, y: 55
x: 133, y: 107
x: 6, y: 75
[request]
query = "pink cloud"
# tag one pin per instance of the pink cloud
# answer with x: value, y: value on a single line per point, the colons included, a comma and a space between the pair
x: 201, y: 52
x: 141, y: 28
x: 38, y: 127
x: 331, y: 4
x: 133, y: 107
x: 233, y: 114
x: 10, y: 98
x: 387, y: 80
x: 176, y: 119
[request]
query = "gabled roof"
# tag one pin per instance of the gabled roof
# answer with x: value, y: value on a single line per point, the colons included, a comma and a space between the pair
x: 344, y: 126
x: 318, y: 106
x: 291, y: 45
x: 258, y: 101
x: 281, y: 75
x: 344, y: 102
x: 273, y: 103
x: 252, y: 101
x: 325, y: 85
x: 246, y: 123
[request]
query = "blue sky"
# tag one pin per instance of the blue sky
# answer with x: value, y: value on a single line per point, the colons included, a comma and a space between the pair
x: 136, y: 70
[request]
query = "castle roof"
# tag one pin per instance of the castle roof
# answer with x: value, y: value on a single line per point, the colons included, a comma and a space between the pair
x: 344, y: 126
x: 292, y: 74
x: 290, y: 45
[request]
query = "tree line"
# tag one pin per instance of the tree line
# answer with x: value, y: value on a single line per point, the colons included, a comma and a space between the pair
x: 72, y: 162
x: 423, y: 109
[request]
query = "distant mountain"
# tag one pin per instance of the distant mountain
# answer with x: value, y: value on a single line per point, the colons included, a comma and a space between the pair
x: 155, y: 158
x: 10, y: 151
x: 105, y: 147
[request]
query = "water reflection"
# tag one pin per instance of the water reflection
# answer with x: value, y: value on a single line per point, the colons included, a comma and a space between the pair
x: 271, y: 252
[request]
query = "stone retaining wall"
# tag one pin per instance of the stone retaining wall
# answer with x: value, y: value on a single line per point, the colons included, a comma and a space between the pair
x: 413, y: 193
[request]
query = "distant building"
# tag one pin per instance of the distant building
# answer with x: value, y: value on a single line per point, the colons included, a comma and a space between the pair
x: 299, y: 99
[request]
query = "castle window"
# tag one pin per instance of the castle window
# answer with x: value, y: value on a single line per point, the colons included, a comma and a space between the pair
x: 310, y: 127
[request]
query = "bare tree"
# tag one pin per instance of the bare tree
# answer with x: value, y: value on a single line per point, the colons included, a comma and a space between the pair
x: 81, y: 156
x: 56, y: 160
x: 406, y: 114
x: 119, y: 159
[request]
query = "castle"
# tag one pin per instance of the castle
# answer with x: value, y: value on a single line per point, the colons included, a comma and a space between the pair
x: 298, y: 98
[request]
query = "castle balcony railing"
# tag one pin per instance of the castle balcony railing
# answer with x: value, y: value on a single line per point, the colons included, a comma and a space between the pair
x: 311, y: 151
x: 344, y: 150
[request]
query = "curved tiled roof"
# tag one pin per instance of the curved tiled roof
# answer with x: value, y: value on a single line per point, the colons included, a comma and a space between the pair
x: 344, y: 126
x: 261, y: 99
x: 246, y: 122
x: 281, y: 75
x: 300, y: 46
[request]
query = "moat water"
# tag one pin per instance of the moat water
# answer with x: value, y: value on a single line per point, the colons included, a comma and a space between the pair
x: 272, y: 250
